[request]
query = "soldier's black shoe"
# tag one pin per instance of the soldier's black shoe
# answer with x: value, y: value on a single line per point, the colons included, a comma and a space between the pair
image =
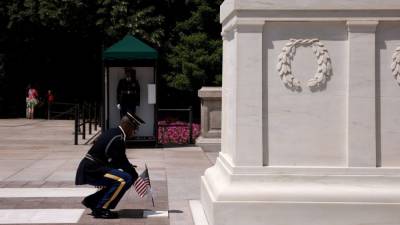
x: 104, y: 213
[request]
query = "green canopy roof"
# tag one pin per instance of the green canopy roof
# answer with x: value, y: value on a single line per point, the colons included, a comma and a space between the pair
x: 129, y: 48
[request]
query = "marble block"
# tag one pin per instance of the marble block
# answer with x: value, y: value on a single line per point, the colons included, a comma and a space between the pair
x: 310, y: 127
x: 210, y: 136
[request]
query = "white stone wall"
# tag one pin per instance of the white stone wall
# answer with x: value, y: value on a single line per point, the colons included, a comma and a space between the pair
x: 388, y: 95
x: 319, y: 133
x: 306, y: 127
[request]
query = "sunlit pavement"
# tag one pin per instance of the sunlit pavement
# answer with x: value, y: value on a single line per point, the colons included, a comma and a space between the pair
x: 38, y: 162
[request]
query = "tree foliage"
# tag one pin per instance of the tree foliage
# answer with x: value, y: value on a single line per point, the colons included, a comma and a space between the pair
x: 195, y: 61
x: 111, y: 19
x: 195, y: 54
x: 59, y: 43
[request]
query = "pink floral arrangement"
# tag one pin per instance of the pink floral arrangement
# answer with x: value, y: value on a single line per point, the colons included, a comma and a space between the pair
x: 176, y: 132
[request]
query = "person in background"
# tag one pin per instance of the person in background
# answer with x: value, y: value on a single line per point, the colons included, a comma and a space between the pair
x: 50, y: 97
x: 31, y: 101
x: 107, y: 166
x: 50, y: 100
x: 128, y: 92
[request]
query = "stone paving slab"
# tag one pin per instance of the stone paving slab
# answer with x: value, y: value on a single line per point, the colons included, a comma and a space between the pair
x: 32, y: 216
x: 27, y: 192
x: 130, y: 204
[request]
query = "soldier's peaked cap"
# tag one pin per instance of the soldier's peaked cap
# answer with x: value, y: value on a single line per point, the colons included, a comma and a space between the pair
x: 134, y: 118
x: 129, y: 69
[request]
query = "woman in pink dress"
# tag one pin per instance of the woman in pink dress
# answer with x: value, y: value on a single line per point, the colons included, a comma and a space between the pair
x: 31, y: 102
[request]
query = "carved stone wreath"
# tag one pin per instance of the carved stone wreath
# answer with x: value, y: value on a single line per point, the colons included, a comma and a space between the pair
x: 396, y: 65
x: 284, y: 67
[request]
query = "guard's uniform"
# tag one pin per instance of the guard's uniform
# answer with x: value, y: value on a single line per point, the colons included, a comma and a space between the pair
x: 106, y: 165
x: 128, y: 93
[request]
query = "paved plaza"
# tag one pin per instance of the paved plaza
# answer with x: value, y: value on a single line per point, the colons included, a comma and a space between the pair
x: 38, y: 162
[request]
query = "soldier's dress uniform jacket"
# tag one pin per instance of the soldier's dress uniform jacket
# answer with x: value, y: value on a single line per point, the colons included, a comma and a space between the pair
x: 128, y: 95
x: 102, y: 166
x: 108, y: 152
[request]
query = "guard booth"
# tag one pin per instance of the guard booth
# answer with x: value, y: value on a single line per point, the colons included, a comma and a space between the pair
x: 133, y: 53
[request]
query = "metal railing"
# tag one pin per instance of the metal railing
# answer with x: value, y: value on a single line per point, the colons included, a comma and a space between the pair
x: 190, y: 123
x: 83, y: 114
x: 59, y: 110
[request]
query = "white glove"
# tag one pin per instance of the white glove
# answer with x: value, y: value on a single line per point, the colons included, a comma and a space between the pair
x: 119, y: 106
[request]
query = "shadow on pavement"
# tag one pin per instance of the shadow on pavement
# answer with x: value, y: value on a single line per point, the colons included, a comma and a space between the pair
x: 175, y: 211
x: 140, y: 213
x: 131, y: 213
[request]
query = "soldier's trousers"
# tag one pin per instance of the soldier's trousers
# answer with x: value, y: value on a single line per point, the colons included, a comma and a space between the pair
x: 115, y: 183
x: 127, y: 108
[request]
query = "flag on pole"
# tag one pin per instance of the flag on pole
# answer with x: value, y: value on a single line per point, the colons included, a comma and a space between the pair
x: 150, y: 189
x: 142, y: 184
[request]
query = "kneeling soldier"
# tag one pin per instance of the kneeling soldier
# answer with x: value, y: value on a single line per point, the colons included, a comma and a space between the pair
x: 107, y: 166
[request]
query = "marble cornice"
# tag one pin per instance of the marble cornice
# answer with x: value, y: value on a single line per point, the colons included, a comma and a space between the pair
x: 357, y: 26
x: 231, y: 6
x: 239, y: 25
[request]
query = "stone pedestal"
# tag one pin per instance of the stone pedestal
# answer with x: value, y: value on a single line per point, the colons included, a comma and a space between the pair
x: 210, y: 137
x: 311, y: 122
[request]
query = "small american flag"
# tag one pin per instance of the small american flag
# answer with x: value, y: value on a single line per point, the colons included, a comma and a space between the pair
x: 142, y: 184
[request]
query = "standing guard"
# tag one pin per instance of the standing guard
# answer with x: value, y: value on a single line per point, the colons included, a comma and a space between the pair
x: 106, y: 165
x: 128, y: 92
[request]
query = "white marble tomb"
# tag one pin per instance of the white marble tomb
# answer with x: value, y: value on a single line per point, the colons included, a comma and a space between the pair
x: 310, y: 114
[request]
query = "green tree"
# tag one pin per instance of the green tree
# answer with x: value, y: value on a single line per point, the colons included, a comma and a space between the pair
x: 195, y: 54
x: 58, y: 43
x: 3, y: 35
x: 111, y: 19
x: 39, y: 37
